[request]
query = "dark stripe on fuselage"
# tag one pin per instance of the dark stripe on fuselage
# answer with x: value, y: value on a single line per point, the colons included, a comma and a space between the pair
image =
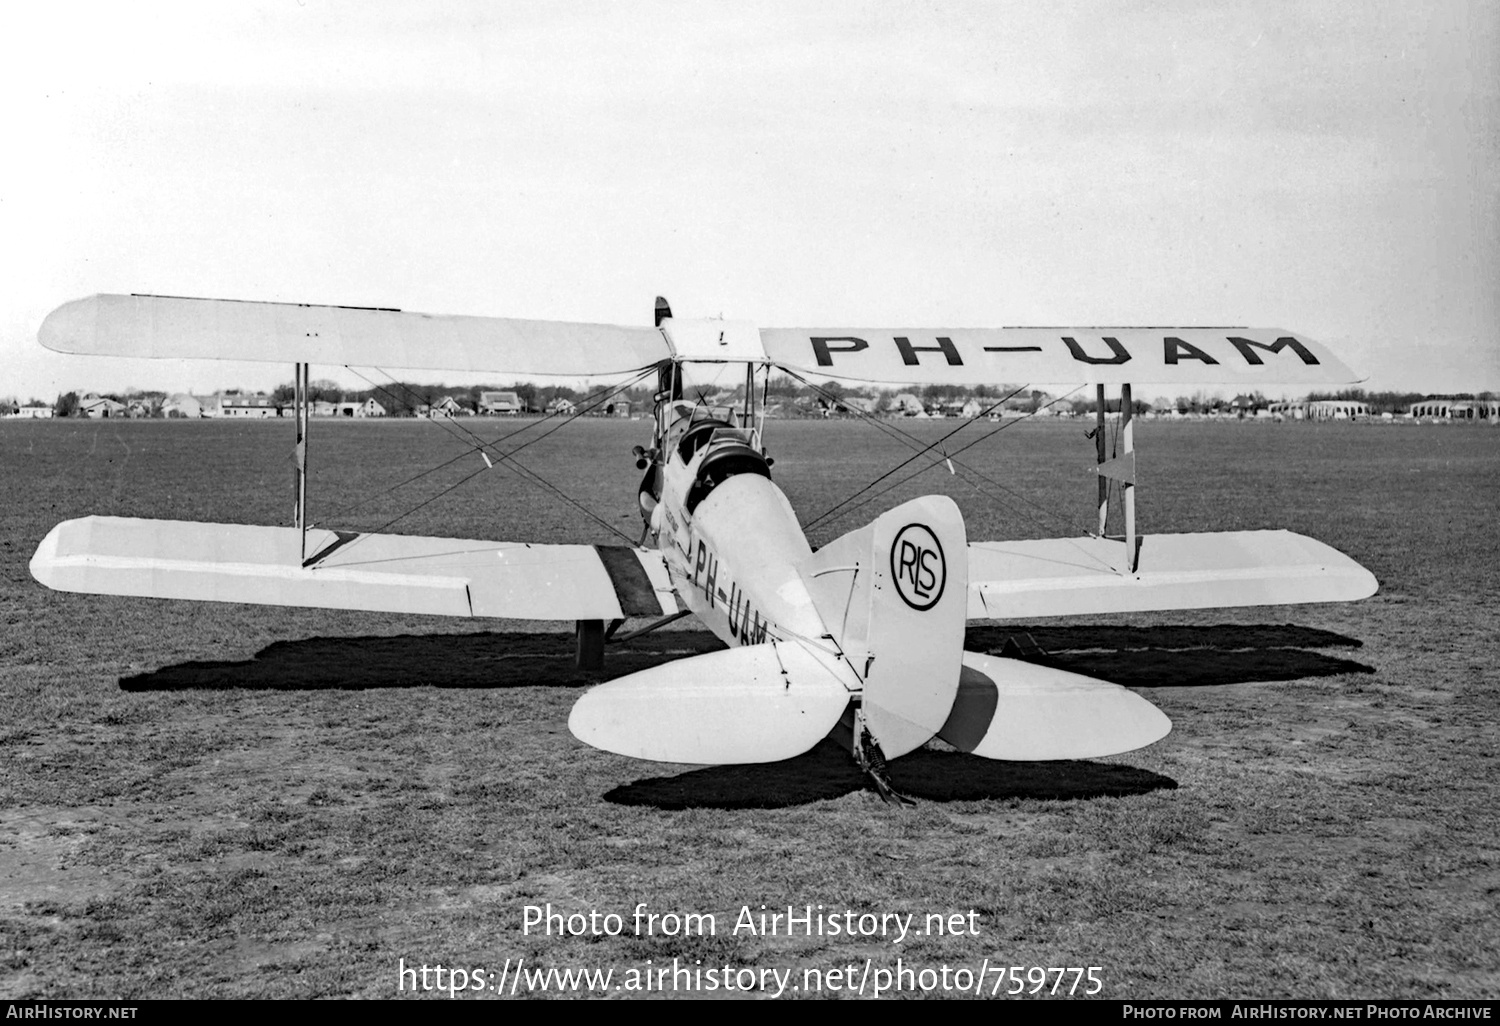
x: 632, y: 585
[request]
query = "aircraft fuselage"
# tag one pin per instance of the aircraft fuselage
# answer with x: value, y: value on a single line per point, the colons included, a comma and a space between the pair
x: 730, y: 538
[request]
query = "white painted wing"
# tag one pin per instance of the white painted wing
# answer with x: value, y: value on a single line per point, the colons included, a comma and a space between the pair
x: 383, y: 573
x: 1074, y: 576
x: 1007, y: 709
x: 1244, y: 357
x: 763, y: 703
x: 224, y: 329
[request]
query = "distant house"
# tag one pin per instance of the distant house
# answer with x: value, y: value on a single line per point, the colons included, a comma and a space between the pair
x: 325, y: 408
x: 35, y: 412
x: 561, y: 405
x: 618, y: 408
x: 93, y: 405
x: 448, y: 406
x: 907, y: 405
x: 253, y: 407
x: 368, y: 408
x: 1247, y: 406
x: 502, y: 403
x: 180, y: 406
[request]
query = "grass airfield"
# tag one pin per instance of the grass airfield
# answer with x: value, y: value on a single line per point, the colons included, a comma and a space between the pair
x: 207, y: 800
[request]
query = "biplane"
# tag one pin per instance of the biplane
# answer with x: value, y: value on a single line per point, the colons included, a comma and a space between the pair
x: 862, y: 638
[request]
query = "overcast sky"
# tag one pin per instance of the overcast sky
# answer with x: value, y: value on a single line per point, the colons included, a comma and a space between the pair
x: 1330, y: 168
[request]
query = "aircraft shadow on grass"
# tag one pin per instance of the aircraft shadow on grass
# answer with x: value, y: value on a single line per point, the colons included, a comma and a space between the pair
x: 827, y: 772
x: 1177, y: 656
x: 1167, y: 656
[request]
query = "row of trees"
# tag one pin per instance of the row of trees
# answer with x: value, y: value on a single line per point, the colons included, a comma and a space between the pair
x: 403, y: 398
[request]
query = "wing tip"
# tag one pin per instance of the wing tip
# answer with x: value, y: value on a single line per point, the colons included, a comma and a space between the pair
x: 67, y: 328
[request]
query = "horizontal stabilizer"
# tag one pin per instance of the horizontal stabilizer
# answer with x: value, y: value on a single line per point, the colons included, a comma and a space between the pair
x: 763, y: 703
x: 1008, y: 709
x: 173, y: 327
x: 1076, y: 576
x: 378, y: 572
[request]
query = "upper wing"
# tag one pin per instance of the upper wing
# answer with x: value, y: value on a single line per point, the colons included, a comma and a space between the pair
x: 224, y: 329
x: 1074, y: 576
x: 973, y: 356
x: 383, y: 573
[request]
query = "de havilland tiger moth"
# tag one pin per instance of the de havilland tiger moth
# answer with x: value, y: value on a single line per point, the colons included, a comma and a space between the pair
x: 863, y: 637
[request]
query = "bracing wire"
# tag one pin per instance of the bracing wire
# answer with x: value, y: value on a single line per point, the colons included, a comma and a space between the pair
x: 475, y: 443
x: 916, y: 443
x: 828, y: 513
x: 912, y: 442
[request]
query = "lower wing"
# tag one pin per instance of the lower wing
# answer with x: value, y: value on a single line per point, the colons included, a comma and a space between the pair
x: 1075, y: 576
x: 344, y: 570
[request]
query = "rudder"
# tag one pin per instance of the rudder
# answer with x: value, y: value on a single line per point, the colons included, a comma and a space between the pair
x: 894, y: 595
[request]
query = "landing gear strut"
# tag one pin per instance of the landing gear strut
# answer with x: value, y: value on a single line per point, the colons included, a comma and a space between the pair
x: 872, y: 760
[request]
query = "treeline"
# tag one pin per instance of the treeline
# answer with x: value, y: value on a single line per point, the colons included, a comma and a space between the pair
x: 403, y: 398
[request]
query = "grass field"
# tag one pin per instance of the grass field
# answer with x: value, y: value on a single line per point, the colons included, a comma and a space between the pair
x: 223, y: 801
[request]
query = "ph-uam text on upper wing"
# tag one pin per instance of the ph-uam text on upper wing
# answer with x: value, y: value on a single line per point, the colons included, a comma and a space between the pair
x: 1092, y: 355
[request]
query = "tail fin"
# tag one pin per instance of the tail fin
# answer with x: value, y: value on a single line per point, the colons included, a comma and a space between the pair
x: 894, y: 594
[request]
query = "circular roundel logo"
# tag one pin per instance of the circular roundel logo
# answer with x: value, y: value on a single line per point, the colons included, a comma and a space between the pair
x: 918, y: 566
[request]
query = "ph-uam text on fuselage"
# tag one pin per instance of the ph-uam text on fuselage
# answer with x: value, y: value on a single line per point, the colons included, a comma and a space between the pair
x: 710, y: 577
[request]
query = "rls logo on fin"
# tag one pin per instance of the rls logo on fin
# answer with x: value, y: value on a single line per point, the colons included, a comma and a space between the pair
x: 918, y: 566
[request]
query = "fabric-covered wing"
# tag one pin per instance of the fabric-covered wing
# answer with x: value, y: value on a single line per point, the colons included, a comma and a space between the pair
x: 226, y: 329
x: 382, y: 573
x: 1074, y: 576
x: 985, y: 356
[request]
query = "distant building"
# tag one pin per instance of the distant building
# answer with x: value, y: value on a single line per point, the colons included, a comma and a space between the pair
x: 1246, y: 406
x: 96, y: 406
x: 368, y: 408
x: 448, y: 406
x: 1456, y: 409
x: 253, y: 407
x: 500, y: 403
x: 34, y: 412
x: 181, y: 406
x: 1337, y: 409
